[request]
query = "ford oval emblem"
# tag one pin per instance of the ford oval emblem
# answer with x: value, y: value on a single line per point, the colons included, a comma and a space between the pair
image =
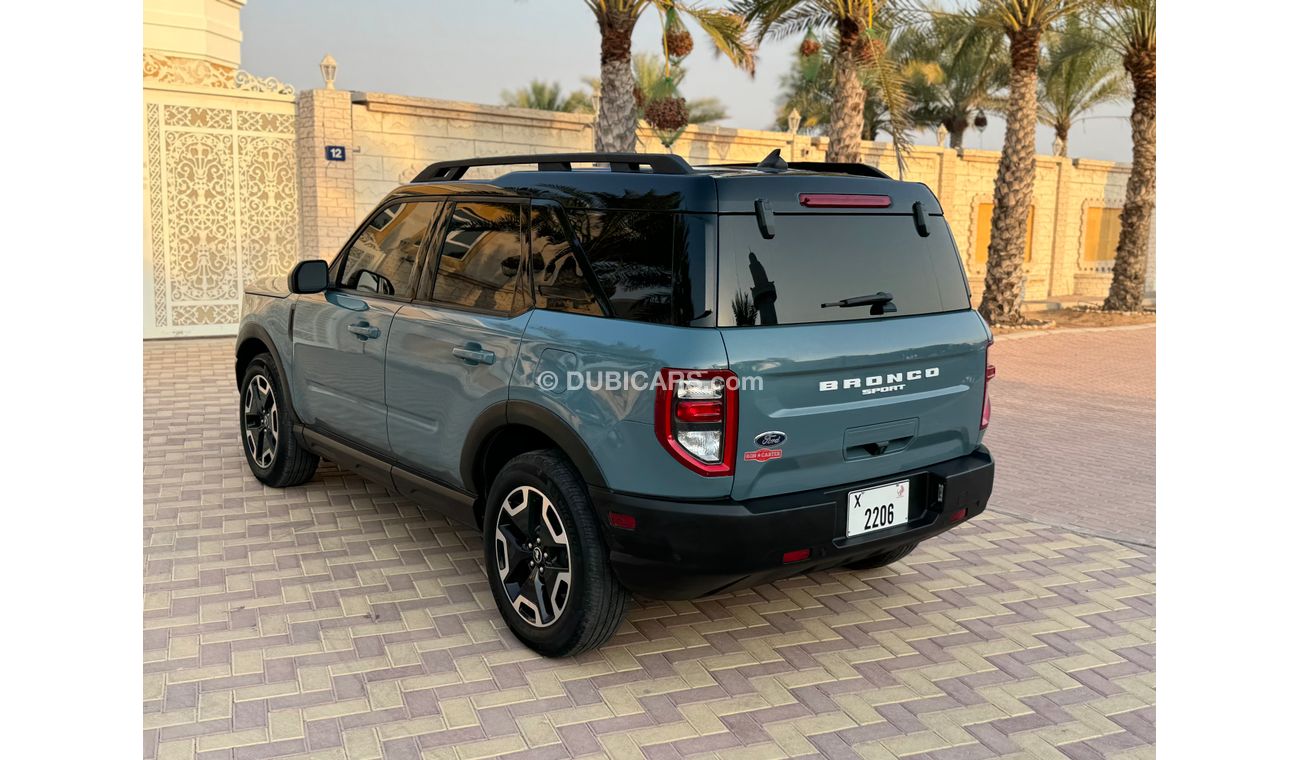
x: 770, y: 438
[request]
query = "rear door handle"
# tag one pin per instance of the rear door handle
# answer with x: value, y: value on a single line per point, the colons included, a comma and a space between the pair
x: 364, y: 331
x: 474, y: 354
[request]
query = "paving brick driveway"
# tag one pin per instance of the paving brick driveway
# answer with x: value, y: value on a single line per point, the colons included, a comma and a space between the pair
x: 337, y: 621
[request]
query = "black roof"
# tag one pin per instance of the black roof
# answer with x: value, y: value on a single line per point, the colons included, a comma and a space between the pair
x: 668, y: 182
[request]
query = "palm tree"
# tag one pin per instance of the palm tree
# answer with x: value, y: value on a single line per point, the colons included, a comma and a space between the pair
x: 859, y: 53
x: 953, y: 68
x: 547, y: 96
x: 651, y: 81
x: 1023, y: 22
x: 1079, y: 72
x: 809, y: 87
x: 705, y: 111
x: 616, y: 121
x: 1131, y: 26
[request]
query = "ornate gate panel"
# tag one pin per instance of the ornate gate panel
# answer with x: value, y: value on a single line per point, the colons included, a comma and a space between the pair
x: 221, y: 204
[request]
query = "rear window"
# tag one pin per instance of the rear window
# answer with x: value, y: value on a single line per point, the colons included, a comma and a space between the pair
x: 821, y: 258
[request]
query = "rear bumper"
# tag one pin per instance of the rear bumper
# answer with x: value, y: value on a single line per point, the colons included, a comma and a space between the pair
x: 685, y: 550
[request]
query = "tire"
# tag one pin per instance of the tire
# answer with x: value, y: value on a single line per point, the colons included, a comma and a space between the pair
x: 581, y: 602
x: 266, y: 428
x: 884, y: 558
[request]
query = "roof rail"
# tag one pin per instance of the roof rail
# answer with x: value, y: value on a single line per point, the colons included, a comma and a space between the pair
x: 659, y: 163
x: 861, y: 170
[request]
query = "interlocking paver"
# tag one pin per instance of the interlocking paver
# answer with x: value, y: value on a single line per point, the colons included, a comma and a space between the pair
x: 1074, y: 430
x: 336, y: 620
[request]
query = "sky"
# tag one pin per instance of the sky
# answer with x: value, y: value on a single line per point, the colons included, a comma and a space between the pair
x: 471, y: 50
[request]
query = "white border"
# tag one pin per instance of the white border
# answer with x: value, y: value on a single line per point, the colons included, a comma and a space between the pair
x: 73, y: 356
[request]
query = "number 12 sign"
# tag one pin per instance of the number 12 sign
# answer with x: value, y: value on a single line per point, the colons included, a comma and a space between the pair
x: 336, y: 153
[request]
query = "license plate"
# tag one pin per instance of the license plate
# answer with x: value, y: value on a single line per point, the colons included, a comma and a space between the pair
x: 877, y: 508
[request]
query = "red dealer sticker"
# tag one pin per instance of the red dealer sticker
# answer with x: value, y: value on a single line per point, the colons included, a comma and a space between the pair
x: 762, y: 455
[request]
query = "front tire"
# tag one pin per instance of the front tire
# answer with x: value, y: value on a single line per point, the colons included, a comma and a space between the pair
x: 266, y: 428
x: 546, y: 562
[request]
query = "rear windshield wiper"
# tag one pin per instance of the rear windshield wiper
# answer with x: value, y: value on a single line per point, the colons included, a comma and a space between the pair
x: 880, y: 303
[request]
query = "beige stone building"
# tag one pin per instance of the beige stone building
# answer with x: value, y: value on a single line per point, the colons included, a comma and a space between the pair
x: 237, y: 184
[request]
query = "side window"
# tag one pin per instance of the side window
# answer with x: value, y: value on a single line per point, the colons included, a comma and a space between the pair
x: 632, y: 255
x: 479, y: 263
x: 558, y: 279
x: 382, y: 258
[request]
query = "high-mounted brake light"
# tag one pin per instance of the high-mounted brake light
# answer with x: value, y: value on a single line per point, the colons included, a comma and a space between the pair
x: 841, y: 200
x: 695, y: 418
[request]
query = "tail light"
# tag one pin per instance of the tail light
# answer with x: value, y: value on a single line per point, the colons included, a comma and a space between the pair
x: 695, y: 418
x: 989, y: 373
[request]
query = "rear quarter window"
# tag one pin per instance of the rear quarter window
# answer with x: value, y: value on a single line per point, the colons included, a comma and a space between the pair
x: 648, y: 264
x: 821, y: 258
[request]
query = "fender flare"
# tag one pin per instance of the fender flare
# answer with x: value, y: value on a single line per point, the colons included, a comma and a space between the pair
x: 253, y: 330
x: 504, y: 413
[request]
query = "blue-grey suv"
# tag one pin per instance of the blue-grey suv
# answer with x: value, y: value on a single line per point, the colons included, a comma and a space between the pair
x: 641, y: 376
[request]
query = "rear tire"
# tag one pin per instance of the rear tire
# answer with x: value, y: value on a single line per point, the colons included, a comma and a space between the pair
x: 546, y: 561
x: 887, y: 557
x: 266, y: 428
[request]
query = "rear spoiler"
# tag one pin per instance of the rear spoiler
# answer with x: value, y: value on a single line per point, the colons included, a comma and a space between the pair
x: 774, y: 164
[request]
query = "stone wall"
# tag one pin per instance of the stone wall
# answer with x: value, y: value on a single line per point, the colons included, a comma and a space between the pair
x: 395, y: 136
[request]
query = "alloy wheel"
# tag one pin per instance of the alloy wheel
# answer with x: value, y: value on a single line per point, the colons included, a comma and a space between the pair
x: 261, y: 422
x: 532, y: 556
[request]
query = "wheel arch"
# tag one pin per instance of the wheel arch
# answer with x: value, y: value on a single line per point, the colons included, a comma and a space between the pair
x: 509, y: 428
x: 254, y: 340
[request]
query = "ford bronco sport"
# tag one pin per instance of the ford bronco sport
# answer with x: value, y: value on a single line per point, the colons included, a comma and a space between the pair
x: 642, y: 377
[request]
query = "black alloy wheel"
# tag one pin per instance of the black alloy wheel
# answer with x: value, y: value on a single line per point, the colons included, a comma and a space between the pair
x: 532, y: 556
x: 261, y: 422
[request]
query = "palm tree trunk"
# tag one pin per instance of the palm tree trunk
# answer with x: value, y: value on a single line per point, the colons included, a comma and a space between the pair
x: 1013, y: 193
x: 1063, y: 141
x: 955, y: 138
x: 1128, y: 284
x: 616, y: 122
x: 847, y: 117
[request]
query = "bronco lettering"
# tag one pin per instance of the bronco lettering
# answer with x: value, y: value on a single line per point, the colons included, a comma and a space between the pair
x: 891, y: 381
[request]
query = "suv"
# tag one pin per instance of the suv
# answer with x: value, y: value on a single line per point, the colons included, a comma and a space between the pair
x: 642, y: 378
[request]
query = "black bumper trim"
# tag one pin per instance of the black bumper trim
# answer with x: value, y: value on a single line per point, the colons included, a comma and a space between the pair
x: 688, y: 549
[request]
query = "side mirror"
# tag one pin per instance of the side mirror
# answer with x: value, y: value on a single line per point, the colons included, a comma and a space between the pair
x: 311, y: 276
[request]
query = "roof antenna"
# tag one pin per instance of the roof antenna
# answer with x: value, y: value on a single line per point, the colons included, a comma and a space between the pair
x: 773, y: 162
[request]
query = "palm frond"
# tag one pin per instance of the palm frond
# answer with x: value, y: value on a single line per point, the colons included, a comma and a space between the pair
x: 546, y: 96
x: 1006, y: 15
x: 1129, y: 25
x: 884, y: 77
x: 705, y: 110
x: 765, y: 15
x: 972, y: 59
x: 1078, y: 72
x: 728, y: 31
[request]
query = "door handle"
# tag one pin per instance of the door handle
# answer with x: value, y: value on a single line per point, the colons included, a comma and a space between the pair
x: 364, y: 331
x: 474, y: 354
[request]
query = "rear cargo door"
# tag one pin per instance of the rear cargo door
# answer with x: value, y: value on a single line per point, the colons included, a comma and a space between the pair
x: 834, y: 395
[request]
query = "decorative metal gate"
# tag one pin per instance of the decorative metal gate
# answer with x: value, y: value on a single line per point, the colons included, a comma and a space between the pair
x: 221, y: 200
